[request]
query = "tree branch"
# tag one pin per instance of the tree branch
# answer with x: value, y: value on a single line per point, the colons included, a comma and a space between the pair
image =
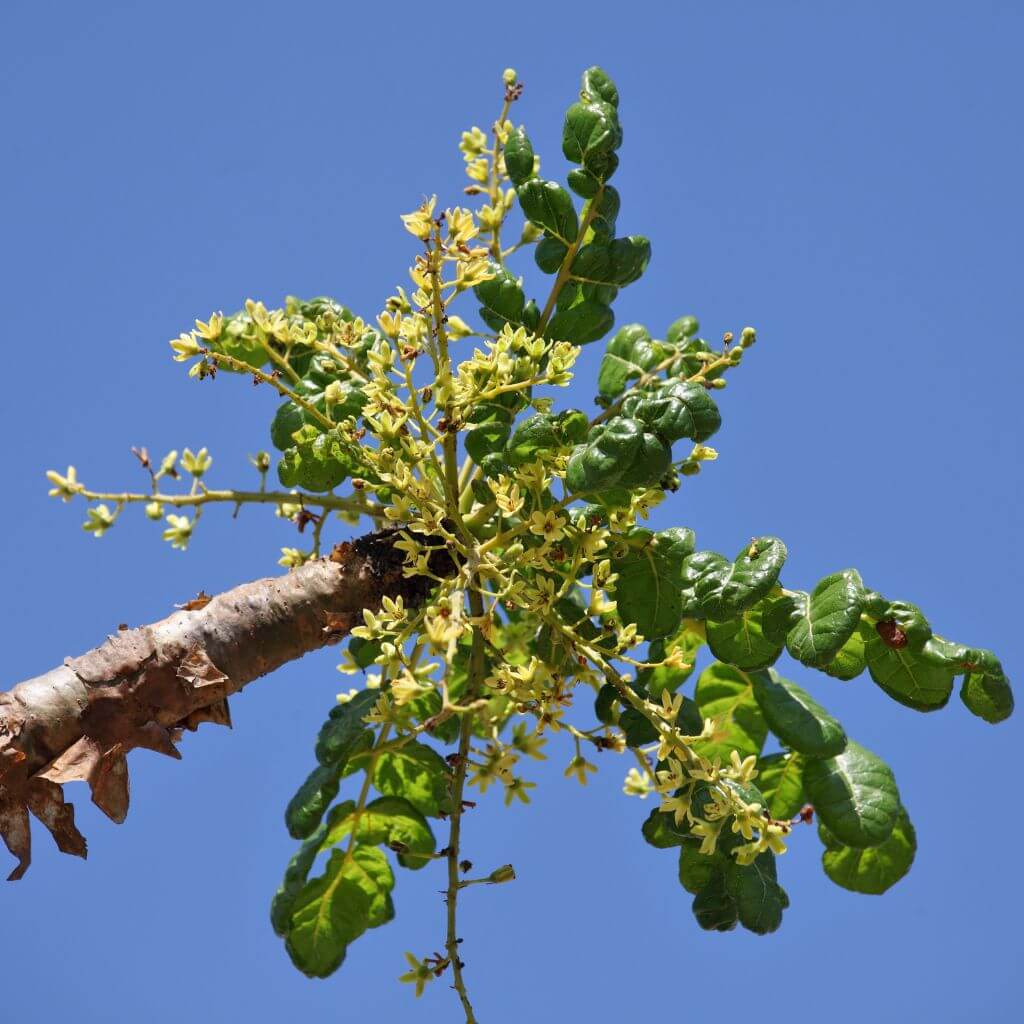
x: 142, y: 687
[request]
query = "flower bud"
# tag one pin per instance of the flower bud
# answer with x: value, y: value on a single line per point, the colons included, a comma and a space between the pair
x: 506, y: 873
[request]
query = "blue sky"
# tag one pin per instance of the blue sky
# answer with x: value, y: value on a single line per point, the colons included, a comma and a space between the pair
x: 845, y: 177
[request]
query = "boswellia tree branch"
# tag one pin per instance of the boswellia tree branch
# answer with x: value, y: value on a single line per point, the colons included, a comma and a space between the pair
x: 143, y: 686
x: 553, y: 611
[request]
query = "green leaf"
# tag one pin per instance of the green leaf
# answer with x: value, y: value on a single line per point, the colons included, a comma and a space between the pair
x: 487, y: 439
x: 657, y: 680
x: 780, y: 779
x: 674, y: 410
x: 637, y: 730
x: 417, y: 773
x: 907, y: 675
x: 630, y: 353
x: 697, y: 870
x: 850, y: 660
x: 647, y: 592
x: 796, y: 718
x: 828, y: 619
x: 605, y: 705
x: 519, y: 156
x: 387, y: 821
x: 544, y: 435
x: 854, y: 795
x: 660, y: 830
x: 549, y: 254
x: 873, y: 870
x: 755, y: 890
x: 714, y: 908
x: 295, y: 876
x: 353, y: 894
x: 591, y: 132
x: 316, y: 461
x: 780, y: 614
x: 613, y: 264
x: 740, y: 641
x: 598, y: 85
x: 548, y: 205
x: 719, y: 589
x: 988, y: 696
x: 724, y: 690
x: 619, y: 453
x: 911, y: 622
x: 681, y: 330
x: 607, y: 202
x: 344, y: 732
x: 315, y: 795
x: 583, y: 182
x: 581, y: 324
x: 502, y: 300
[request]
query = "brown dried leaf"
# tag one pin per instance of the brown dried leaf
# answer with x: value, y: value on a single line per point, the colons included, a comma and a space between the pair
x: 46, y: 801
x: 200, y: 601
x: 218, y: 713
x: 15, y: 833
x: 153, y: 736
x: 110, y: 785
x: 76, y: 764
x: 197, y: 669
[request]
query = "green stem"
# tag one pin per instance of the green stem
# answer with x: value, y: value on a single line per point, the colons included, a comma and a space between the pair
x: 329, y: 502
x: 476, y: 674
x: 221, y: 358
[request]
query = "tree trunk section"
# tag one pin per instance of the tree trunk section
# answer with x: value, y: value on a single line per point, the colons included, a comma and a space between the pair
x: 142, y: 687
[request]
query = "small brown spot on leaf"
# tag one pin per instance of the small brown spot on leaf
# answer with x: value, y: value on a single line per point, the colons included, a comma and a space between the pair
x: 891, y: 634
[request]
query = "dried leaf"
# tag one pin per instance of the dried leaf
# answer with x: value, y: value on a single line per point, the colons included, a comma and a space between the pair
x: 200, y: 601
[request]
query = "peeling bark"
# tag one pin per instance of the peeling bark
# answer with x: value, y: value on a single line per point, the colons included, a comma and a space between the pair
x: 143, y: 687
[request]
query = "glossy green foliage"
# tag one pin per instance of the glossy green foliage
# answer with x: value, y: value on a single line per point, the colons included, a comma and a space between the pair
x: 544, y: 435
x: 502, y: 301
x: 291, y: 417
x: 780, y: 779
x: 585, y: 321
x: 611, y: 264
x: 549, y: 254
x: 334, y: 909
x: 549, y: 206
x: 306, y: 809
x: 619, y: 453
x: 727, y: 893
x: 854, y: 795
x: 416, y: 773
x: 685, y: 642
x: 716, y: 588
x: 662, y: 831
x: 908, y: 676
x: 756, y: 893
x: 796, y: 718
x: 674, y: 410
x: 630, y: 354
x: 317, y: 461
x: 726, y: 691
x: 827, y: 619
x: 344, y: 732
x: 647, y: 592
x: 696, y: 869
x: 987, y: 695
x: 519, y: 158
x: 741, y: 640
x: 875, y: 869
x: 295, y: 876
x: 390, y: 821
